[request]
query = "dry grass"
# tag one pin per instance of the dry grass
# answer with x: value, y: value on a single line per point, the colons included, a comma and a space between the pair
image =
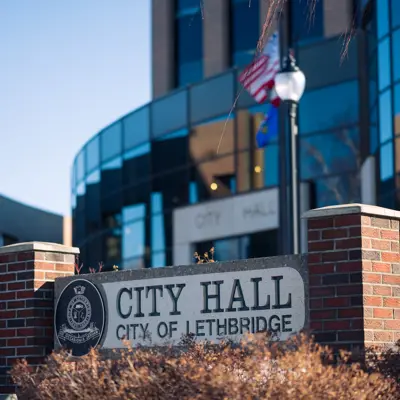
x: 255, y: 370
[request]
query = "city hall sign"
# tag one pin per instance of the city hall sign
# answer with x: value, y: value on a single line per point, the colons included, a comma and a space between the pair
x: 158, y: 307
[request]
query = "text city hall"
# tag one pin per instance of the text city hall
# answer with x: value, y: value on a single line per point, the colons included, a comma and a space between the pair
x: 130, y: 301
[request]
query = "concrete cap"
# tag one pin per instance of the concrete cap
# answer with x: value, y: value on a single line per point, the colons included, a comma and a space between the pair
x: 38, y: 246
x: 346, y: 209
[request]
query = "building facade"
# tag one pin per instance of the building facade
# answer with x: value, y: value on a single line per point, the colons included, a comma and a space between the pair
x: 151, y: 188
x: 22, y: 223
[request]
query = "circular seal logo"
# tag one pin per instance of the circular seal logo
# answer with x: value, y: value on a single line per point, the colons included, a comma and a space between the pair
x: 79, y: 317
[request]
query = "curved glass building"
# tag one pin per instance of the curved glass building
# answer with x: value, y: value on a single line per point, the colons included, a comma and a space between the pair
x: 182, y: 173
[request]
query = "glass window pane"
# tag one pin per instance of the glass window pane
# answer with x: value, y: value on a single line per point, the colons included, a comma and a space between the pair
x: 134, y: 263
x: 158, y: 260
x: 212, y: 98
x: 157, y: 232
x: 80, y: 165
x: 93, y: 154
x: 190, y: 72
x: 169, y: 114
x: 395, y: 13
x: 136, y: 128
x: 386, y: 161
x: 329, y: 107
x: 374, y: 139
x: 384, y: 64
x: 137, y: 165
x: 204, y: 139
x: 307, y: 27
x: 397, y: 109
x: 396, y: 53
x: 247, y: 124
x: 133, y: 240
x: 111, y: 141
x: 382, y: 10
x: 245, y: 25
x: 385, y: 116
x: 329, y: 153
x: 397, y: 159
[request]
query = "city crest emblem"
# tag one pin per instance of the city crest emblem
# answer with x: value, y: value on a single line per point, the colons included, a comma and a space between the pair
x: 79, y: 319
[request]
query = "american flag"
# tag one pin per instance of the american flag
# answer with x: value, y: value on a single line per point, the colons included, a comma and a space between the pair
x: 259, y: 77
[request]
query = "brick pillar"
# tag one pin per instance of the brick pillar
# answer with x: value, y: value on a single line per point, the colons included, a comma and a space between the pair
x: 354, y: 272
x: 27, y: 274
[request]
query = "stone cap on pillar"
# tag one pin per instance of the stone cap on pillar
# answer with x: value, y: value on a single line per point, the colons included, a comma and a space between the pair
x: 346, y: 209
x: 38, y: 246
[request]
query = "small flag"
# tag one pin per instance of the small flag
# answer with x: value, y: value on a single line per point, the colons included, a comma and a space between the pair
x: 259, y: 77
x: 268, y: 129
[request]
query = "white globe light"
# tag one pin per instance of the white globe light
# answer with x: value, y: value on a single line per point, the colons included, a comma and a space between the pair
x: 290, y: 85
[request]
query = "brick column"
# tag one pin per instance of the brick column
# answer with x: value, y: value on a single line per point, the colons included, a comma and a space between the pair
x: 354, y: 272
x: 27, y: 274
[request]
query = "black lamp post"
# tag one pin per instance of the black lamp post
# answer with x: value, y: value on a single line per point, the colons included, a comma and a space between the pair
x: 290, y: 83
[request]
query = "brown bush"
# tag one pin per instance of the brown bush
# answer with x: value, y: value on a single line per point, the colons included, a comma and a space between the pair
x: 254, y: 370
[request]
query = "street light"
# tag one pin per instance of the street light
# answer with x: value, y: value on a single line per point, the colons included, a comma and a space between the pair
x: 290, y: 83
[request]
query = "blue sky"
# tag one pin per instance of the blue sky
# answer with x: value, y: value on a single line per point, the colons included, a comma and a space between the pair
x: 67, y: 69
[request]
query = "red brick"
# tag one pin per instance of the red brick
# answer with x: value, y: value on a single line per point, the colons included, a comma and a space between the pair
x: 40, y: 275
x: 325, y: 314
x: 70, y: 267
x: 351, y: 336
x: 53, y: 275
x: 321, y: 268
x: 6, y: 333
x: 383, y: 336
x: 349, y: 289
x: 29, y: 332
x: 7, y: 352
x: 314, y: 235
x: 391, y: 235
x: 392, y: 302
x: 316, y: 325
x: 350, y: 313
x: 380, y: 244
x: 315, y: 280
x: 391, y: 257
x: 380, y: 222
x: 30, y: 351
x: 7, y: 314
x: 26, y: 256
x: 381, y: 267
x: 371, y: 278
x: 7, y: 277
x: 7, y: 258
x: 25, y: 294
x: 336, y: 325
x: 320, y: 223
x: 335, y: 233
x: 392, y: 324
x: 16, y: 342
x: 357, y: 323
x: 7, y: 296
x: 335, y: 256
x: 26, y: 313
x: 351, y: 243
x: 348, y: 220
x: 382, y: 290
x: 337, y: 302
x: 16, y: 285
x: 370, y: 323
x: 394, y: 246
x: 313, y: 258
x: 383, y: 313
x: 372, y: 301
x: 366, y: 243
x: 349, y: 266
x: 47, y: 266
x: 391, y: 279
x: 20, y: 266
x: 367, y: 232
x: 320, y: 246
x: 322, y: 291
x: 316, y: 303
x: 15, y: 304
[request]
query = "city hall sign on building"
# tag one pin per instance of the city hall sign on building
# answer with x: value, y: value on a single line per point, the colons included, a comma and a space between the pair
x: 156, y: 307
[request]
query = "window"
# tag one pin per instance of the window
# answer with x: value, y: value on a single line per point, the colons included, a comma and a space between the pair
x: 397, y: 109
x: 306, y: 26
x: 385, y: 117
x: 395, y: 13
x: 111, y: 141
x: 386, y: 161
x: 384, y: 64
x: 136, y: 128
x: 396, y: 53
x: 133, y: 239
x: 382, y: 12
x: 92, y: 154
x: 329, y: 107
x: 189, y: 48
x: 187, y: 7
x: 80, y: 165
x: 245, y: 31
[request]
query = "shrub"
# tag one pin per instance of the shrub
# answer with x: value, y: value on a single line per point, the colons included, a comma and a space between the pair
x: 256, y: 369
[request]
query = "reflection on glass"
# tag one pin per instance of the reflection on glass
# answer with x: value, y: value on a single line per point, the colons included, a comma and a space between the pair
x: 193, y: 194
x: 329, y: 153
x: 158, y: 260
x: 113, y: 247
x: 134, y: 263
x: 73, y: 201
x: 93, y: 154
x: 214, y: 178
x: 395, y: 13
x: 136, y: 127
x: 396, y: 53
x: 156, y: 202
x: 382, y: 10
x: 384, y: 64
x: 340, y: 189
x: 132, y: 212
x: 386, y: 161
x: 157, y: 232
x: 397, y: 109
x: 374, y: 139
x: 80, y: 165
x: 81, y: 189
x: 133, y: 240
x: 93, y: 177
x: 111, y: 141
x: 204, y: 139
x: 328, y: 107
x: 305, y: 27
x: 385, y: 116
x: 247, y: 124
